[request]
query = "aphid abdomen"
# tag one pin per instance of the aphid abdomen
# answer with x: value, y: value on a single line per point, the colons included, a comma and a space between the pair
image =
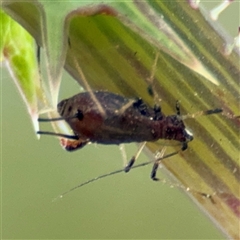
x: 126, y: 120
x: 126, y: 129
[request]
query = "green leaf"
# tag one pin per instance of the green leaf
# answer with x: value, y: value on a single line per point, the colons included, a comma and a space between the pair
x: 19, y: 55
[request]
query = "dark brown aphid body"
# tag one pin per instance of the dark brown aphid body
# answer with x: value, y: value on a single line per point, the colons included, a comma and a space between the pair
x: 113, y: 119
x: 107, y: 118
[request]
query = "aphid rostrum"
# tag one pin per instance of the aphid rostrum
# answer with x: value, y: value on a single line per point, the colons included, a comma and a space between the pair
x: 107, y: 118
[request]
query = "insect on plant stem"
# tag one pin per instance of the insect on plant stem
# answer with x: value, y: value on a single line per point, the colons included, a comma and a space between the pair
x: 137, y: 123
x: 107, y: 118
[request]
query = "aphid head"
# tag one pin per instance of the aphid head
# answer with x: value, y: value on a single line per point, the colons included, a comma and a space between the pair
x: 176, y: 130
x: 188, y: 135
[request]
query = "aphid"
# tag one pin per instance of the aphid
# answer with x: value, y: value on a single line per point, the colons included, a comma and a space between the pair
x: 107, y: 118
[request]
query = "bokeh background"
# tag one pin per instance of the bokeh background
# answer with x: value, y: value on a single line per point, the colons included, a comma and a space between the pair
x: 124, y: 206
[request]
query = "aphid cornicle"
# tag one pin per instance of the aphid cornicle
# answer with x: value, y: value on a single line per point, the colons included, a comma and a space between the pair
x: 107, y: 118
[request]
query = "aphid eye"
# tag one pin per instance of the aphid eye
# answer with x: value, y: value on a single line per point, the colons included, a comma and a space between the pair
x: 79, y: 115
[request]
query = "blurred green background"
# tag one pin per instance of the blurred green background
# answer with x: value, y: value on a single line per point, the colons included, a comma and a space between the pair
x: 124, y: 206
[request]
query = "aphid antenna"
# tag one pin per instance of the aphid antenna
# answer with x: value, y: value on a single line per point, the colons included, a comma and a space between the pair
x: 74, y: 137
x: 125, y: 107
x: 113, y: 173
x: 231, y: 115
x: 201, y: 113
x: 77, y: 115
x: 88, y: 88
x: 55, y: 119
x: 58, y: 135
x: 150, y: 80
x: 177, y: 185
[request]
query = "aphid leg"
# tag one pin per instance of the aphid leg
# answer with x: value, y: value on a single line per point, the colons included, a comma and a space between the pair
x: 140, y: 106
x: 184, y: 146
x: 178, y: 108
x: 209, y: 196
x: 156, y: 164
x: 150, y: 80
x: 150, y: 90
x: 123, y: 153
x: 134, y: 158
x: 154, y: 171
x: 157, y: 113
